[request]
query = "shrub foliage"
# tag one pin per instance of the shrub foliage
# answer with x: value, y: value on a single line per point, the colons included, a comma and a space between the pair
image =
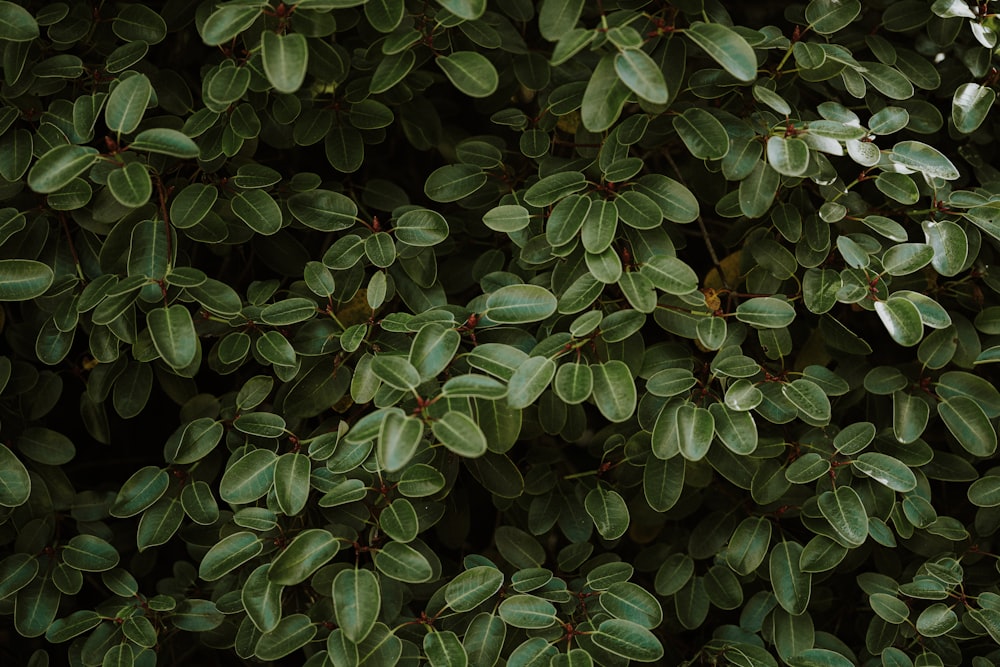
x: 567, y: 333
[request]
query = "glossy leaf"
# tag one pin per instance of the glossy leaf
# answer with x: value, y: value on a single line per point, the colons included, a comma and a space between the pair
x: 357, y: 602
x: 127, y: 104
x: 58, y: 167
x: 470, y: 72
x: 173, y: 333
x: 843, y: 508
x: 642, y: 75
x: 473, y: 587
x: 285, y: 58
x: 726, y: 47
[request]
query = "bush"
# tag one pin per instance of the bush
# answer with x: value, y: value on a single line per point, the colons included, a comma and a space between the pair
x: 348, y: 333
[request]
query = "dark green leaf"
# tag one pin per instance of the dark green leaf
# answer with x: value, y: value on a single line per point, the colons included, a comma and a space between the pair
x: 59, y: 166
x: 726, y: 47
x: 470, y: 72
x: 16, y: 23
x: 127, y: 104
x: 285, y: 58
x: 356, y: 602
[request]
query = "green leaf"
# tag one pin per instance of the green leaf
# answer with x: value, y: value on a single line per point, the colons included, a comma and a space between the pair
x: 936, y: 620
x: 159, y: 523
x: 291, y: 482
x: 166, y: 141
x: 566, y: 220
x: 16, y: 24
x: 970, y: 105
x: 59, y: 166
x: 766, y: 312
x: 792, y: 587
x: 357, y: 601
x: 307, y: 552
x: 969, y: 424
x: 173, y: 333
x: 788, y: 156
x: 886, y: 470
x: 949, y: 243
x: 89, y: 554
x: 191, y: 204
x: 74, y: 625
x: 227, y: 22
x: 131, y: 185
x: 735, y: 428
x: 902, y: 319
x: 844, y: 510
x: 228, y: 554
x: 139, y: 491
x: 627, y: 639
x: 127, y: 104
x: 726, y: 47
x: 985, y: 492
x: 887, y: 80
x: 24, y: 279
x: 670, y: 274
x: 557, y: 17
x: 258, y: 210
x: 748, y: 545
x: 508, y: 218
x: 757, y: 191
x: 403, y: 562
x: 199, y: 503
x: 398, y: 439
x: 473, y: 587
x: 609, y: 512
x: 898, y: 186
x: 614, y: 390
x: 421, y: 227
x: 704, y: 136
x: 323, y: 210
x: 904, y: 258
x: 433, y: 348
x: 919, y: 156
x: 396, y: 372
x: 519, y: 304
x: 292, y: 633
x: 455, y: 181
x: 528, y: 612
x: 248, y: 478
x: 35, y: 607
x: 262, y: 599
x: 460, y: 434
x: 605, y: 94
x: 829, y: 16
x: 470, y: 10
x: 15, y: 484
x: 811, y: 401
x: 554, y: 187
x: 470, y: 72
x: 910, y: 414
x: 693, y: 430
x: 285, y: 58
x: 889, y: 607
x: 642, y: 75
x: 819, y: 657
x: 139, y: 23
x: 529, y: 380
x: 573, y: 383
x: 631, y: 602
x: 443, y: 648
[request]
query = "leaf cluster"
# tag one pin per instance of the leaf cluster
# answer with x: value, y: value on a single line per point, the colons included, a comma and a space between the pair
x: 468, y: 332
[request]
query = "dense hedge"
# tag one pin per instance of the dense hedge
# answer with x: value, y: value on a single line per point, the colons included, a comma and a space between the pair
x: 565, y: 333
